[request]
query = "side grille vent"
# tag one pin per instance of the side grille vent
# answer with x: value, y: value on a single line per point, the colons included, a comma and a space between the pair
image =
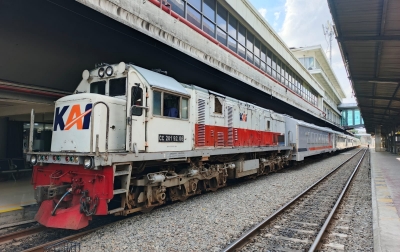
x: 230, y: 126
x: 201, y: 120
x: 220, y: 139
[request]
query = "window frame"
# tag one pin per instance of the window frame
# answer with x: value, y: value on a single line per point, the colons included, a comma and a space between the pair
x: 162, y: 105
x: 213, y: 97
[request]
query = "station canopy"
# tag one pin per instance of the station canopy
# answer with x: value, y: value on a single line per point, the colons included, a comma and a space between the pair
x: 368, y: 33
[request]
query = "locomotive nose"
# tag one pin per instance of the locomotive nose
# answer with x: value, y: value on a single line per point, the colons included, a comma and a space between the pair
x: 68, y: 218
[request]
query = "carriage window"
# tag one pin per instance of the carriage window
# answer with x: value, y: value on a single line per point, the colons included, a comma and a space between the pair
x: 218, y: 106
x: 156, y: 103
x: 98, y: 87
x: 117, y: 87
x: 137, y: 99
x: 184, y: 108
x: 268, y: 125
x: 171, y: 105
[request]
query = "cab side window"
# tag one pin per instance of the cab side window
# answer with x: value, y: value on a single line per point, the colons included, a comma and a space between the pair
x: 137, y: 99
x: 185, y: 108
x: 156, y: 103
x: 170, y: 105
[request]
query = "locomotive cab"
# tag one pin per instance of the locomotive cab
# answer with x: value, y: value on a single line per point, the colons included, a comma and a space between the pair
x: 115, y: 106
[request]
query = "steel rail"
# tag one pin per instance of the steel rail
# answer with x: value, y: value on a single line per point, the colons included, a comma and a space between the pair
x: 16, y: 224
x: 41, y: 247
x: 317, y: 240
x: 21, y: 234
x: 238, y: 243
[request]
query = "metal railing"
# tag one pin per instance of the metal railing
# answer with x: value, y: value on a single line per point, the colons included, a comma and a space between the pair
x: 97, y: 135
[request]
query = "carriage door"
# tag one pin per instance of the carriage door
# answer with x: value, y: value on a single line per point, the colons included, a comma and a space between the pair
x: 136, y: 114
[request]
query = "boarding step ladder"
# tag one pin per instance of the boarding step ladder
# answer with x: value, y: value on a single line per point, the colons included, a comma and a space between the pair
x: 122, y: 172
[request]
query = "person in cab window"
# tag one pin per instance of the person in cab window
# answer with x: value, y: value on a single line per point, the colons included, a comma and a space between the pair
x: 171, y: 103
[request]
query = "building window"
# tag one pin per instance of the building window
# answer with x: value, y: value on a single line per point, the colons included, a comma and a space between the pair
x: 241, y: 51
x: 221, y: 36
x: 195, y: 3
x: 357, y: 117
x: 350, y: 117
x: 209, y: 9
x: 193, y: 16
x: 209, y: 27
x: 217, y: 22
x: 307, y: 62
x: 232, y: 27
x: 242, y: 35
x: 178, y: 6
x: 232, y: 44
x: 222, y: 17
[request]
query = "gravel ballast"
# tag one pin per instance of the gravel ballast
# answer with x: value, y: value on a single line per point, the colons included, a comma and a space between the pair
x: 210, y: 221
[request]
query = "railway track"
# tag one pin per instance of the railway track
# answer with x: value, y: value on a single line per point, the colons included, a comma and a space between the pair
x: 40, y: 238
x: 302, y: 223
x: 21, y: 234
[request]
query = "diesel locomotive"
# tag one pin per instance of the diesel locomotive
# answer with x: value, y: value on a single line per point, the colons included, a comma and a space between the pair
x: 129, y: 139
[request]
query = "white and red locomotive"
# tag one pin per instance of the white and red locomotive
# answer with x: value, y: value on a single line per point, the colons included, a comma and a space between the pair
x: 130, y: 139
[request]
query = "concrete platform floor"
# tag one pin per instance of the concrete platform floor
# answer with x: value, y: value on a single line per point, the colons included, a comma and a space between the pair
x: 13, y: 194
x: 385, y: 182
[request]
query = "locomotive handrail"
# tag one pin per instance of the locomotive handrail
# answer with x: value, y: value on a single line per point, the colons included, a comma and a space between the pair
x: 138, y: 106
x: 31, y: 130
x: 92, y: 128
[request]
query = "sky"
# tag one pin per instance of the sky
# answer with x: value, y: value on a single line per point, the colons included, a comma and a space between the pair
x: 299, y: 24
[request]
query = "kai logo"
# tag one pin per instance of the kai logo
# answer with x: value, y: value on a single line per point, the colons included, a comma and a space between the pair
x: 243, y: 117
x: 75, y: 117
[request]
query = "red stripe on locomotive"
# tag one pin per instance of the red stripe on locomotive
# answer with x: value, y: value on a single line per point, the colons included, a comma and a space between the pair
x: 219, y: 136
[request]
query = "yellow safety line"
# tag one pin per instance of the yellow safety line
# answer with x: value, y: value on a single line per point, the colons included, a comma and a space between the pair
x: 22, y: 203
x: 10, y: 209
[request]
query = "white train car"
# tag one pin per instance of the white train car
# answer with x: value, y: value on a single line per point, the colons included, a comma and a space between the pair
x: 308, y: 139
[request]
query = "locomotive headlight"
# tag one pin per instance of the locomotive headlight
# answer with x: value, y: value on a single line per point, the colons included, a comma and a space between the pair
x: 33, y: 159
x: 88, y: 162
x: 109, y: 70
x: 101, y: 72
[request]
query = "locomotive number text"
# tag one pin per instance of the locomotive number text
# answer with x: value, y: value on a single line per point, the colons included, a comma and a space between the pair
x: 170, y: 138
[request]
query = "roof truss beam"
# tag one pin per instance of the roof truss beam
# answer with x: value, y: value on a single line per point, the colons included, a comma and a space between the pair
x: 374, y: 79
x: 377, y: 107
x: 388, y: 98
x: 369, y: 38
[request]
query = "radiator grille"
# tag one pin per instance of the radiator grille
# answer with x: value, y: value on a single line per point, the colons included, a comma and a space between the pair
x: 201, y: 118
x: 220, y: 141
x: 230, y: 126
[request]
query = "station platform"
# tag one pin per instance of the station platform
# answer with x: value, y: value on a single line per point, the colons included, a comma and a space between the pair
x: 385, y: 183
x: 14, y: 195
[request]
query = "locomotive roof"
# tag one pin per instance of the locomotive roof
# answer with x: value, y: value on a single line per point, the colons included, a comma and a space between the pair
x: 161, y: 81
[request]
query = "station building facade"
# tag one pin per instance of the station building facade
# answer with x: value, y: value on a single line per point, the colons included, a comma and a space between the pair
x: 314, y: 59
